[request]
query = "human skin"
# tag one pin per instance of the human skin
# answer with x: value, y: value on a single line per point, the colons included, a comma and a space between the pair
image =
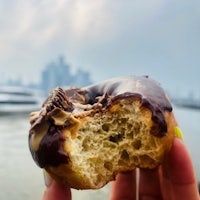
x: 55, y: 191
x: 173, y: 180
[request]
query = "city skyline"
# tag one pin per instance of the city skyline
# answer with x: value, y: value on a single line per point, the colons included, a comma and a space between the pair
x: 159, y: 38
x: 55, y: 73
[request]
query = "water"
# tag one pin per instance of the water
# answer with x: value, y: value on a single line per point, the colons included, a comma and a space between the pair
x: 21, y: 179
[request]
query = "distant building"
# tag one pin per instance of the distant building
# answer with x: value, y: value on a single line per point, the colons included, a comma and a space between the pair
x: 59, y: 74
x: 81, y: 78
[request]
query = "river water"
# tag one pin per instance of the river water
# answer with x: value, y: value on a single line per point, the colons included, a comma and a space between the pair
x: 21, y: 179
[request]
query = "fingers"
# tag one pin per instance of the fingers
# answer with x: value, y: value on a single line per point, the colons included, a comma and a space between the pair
x: 55, y: 192
x: 174, y: 180
x: 178, y: 174
x: 149, y: 188
x: 124, y: 187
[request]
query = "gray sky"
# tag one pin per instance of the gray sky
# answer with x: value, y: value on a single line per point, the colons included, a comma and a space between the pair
x: 160, y: 38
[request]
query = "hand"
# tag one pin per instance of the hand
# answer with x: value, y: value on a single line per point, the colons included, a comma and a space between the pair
x: 174, y: 180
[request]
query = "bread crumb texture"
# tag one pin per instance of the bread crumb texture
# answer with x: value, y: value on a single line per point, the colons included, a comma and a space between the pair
x: 110, y: 142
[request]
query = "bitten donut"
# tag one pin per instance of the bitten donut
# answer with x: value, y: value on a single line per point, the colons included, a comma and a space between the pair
x: 83, y: 137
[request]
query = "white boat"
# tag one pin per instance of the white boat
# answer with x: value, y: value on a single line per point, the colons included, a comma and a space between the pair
x: 18, y: 100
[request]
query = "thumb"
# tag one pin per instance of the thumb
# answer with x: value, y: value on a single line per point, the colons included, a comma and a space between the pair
x: 54, y: 191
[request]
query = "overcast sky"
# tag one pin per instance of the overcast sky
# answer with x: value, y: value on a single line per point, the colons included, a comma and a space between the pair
x: 160, y: 38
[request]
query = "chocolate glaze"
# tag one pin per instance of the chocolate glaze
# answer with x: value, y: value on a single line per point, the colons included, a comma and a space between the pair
x: 143, y: 86
x: 95, y: 98
x: 50, y: 150
x: 148, y: 91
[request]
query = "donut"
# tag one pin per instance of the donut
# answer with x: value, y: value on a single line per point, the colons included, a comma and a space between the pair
x: 83, y: 137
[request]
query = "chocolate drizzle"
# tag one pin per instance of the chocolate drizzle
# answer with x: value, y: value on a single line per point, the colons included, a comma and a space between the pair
x: 57, y: 99
x: 94, y: 98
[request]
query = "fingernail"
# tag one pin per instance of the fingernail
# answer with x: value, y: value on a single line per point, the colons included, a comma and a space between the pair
x: 178, y: 133
x: 47, y: 178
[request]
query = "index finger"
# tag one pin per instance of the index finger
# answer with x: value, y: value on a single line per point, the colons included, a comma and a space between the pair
x: 124, y: 187
x: 56, y: 191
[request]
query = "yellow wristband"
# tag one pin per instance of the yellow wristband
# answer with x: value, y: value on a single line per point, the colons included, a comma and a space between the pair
x: 178, y: 133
